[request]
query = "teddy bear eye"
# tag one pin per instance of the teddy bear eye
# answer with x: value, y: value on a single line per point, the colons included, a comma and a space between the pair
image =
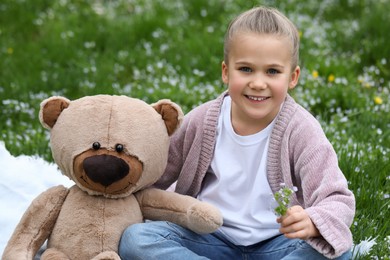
x: 119, y: 148
x: 96, y: 145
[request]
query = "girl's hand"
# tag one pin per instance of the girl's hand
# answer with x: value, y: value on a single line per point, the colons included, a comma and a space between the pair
x: 296, y: 223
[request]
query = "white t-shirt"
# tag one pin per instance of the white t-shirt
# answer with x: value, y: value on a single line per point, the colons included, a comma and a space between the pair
x: 237, y: 183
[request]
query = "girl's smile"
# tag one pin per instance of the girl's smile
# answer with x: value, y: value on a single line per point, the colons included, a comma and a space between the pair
x: 256, y: 99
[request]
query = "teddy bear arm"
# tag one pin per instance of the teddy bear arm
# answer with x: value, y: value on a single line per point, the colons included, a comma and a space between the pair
x: 36, y: 224
x: 186, y: 211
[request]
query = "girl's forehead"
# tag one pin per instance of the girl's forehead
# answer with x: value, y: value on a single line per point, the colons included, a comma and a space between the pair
x: 263, y: 48
x: 240, y: 40
x: 240, y: 35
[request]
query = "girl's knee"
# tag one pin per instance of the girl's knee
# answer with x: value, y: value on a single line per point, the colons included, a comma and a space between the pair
x: 140, y: 234
x: 128, y: 247
x: 132, y: 231
x: 140, y: 238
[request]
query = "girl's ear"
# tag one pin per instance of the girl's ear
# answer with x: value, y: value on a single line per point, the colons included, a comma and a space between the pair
x: 294, y: 77
x: 225, y: 73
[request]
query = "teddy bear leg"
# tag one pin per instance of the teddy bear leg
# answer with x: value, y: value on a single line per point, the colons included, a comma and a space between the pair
x: 53, y: 254
x: 107, y: 255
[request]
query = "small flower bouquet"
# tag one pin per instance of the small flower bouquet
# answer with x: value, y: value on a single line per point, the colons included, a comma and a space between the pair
x: 283, y: 197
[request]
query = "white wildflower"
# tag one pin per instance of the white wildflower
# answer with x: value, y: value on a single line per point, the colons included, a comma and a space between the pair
x: 363, y: 248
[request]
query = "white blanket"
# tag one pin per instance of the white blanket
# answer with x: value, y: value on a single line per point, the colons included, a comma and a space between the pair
x: 22, y: 179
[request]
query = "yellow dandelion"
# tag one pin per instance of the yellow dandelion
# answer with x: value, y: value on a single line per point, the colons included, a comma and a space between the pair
x: 367, y: 85
x: 314, y: 74
x: 378, y: 100
x: 331, y: 78
x: 300, y: 34
x: 10, y: 50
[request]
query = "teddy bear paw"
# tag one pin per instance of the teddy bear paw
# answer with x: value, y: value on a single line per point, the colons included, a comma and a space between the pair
x: 107, y: 255
x: 53, y: 253
x: 204, y: 218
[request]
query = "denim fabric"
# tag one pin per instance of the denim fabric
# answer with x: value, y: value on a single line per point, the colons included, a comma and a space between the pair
x: 165, y: 240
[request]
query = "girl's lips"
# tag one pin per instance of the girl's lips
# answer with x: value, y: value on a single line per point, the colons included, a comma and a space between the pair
x: 256, y: 98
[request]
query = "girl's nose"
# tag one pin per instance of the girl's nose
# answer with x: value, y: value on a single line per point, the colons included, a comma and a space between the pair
x: 258, y: 83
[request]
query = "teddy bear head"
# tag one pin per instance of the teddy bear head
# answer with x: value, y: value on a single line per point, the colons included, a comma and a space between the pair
x: 110, y: 145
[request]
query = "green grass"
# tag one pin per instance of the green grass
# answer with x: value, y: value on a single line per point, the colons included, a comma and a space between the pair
x: 154, y: 49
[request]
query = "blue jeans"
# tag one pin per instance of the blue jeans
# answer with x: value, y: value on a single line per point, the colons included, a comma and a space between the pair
x: 165, y: 240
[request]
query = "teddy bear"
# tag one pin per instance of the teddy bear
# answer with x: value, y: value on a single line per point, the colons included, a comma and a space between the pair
x: 114, y: 148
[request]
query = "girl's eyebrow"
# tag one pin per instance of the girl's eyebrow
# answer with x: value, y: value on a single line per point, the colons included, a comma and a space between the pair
x: 271, y: 65
x: 242, y: 62
x: 275, y: 65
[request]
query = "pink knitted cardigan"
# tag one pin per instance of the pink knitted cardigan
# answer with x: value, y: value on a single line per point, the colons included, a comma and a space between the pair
x: 299, y: 155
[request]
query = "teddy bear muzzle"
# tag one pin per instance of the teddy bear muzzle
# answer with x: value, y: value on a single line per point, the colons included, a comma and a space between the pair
x: 105, y: 169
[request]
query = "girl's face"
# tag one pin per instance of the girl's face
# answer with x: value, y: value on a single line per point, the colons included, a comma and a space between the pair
x: 258, y: 74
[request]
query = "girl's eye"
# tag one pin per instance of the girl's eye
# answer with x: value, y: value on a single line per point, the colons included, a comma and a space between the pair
x: 272, y: 71
x: 245, y: 69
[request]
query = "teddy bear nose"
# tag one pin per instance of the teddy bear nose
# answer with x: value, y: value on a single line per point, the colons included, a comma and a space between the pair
x: 105, y: 169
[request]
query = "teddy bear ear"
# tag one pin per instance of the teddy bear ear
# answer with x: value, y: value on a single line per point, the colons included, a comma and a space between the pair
x: 51, y: 109
x: 171, y: 113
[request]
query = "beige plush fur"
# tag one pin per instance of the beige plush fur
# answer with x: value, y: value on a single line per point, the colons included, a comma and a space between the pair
x: 113, y: 148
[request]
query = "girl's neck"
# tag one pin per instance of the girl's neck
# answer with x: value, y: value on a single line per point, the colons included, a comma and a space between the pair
x: 247, y: 127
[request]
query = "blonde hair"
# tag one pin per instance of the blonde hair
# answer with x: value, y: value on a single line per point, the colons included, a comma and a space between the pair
x: 264, y: 20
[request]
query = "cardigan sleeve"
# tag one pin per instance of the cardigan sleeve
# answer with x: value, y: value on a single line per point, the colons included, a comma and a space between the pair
x: 328, y: 201
x: 324, y: 188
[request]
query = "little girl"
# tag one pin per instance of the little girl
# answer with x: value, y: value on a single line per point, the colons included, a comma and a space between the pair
x: 235, y: 151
